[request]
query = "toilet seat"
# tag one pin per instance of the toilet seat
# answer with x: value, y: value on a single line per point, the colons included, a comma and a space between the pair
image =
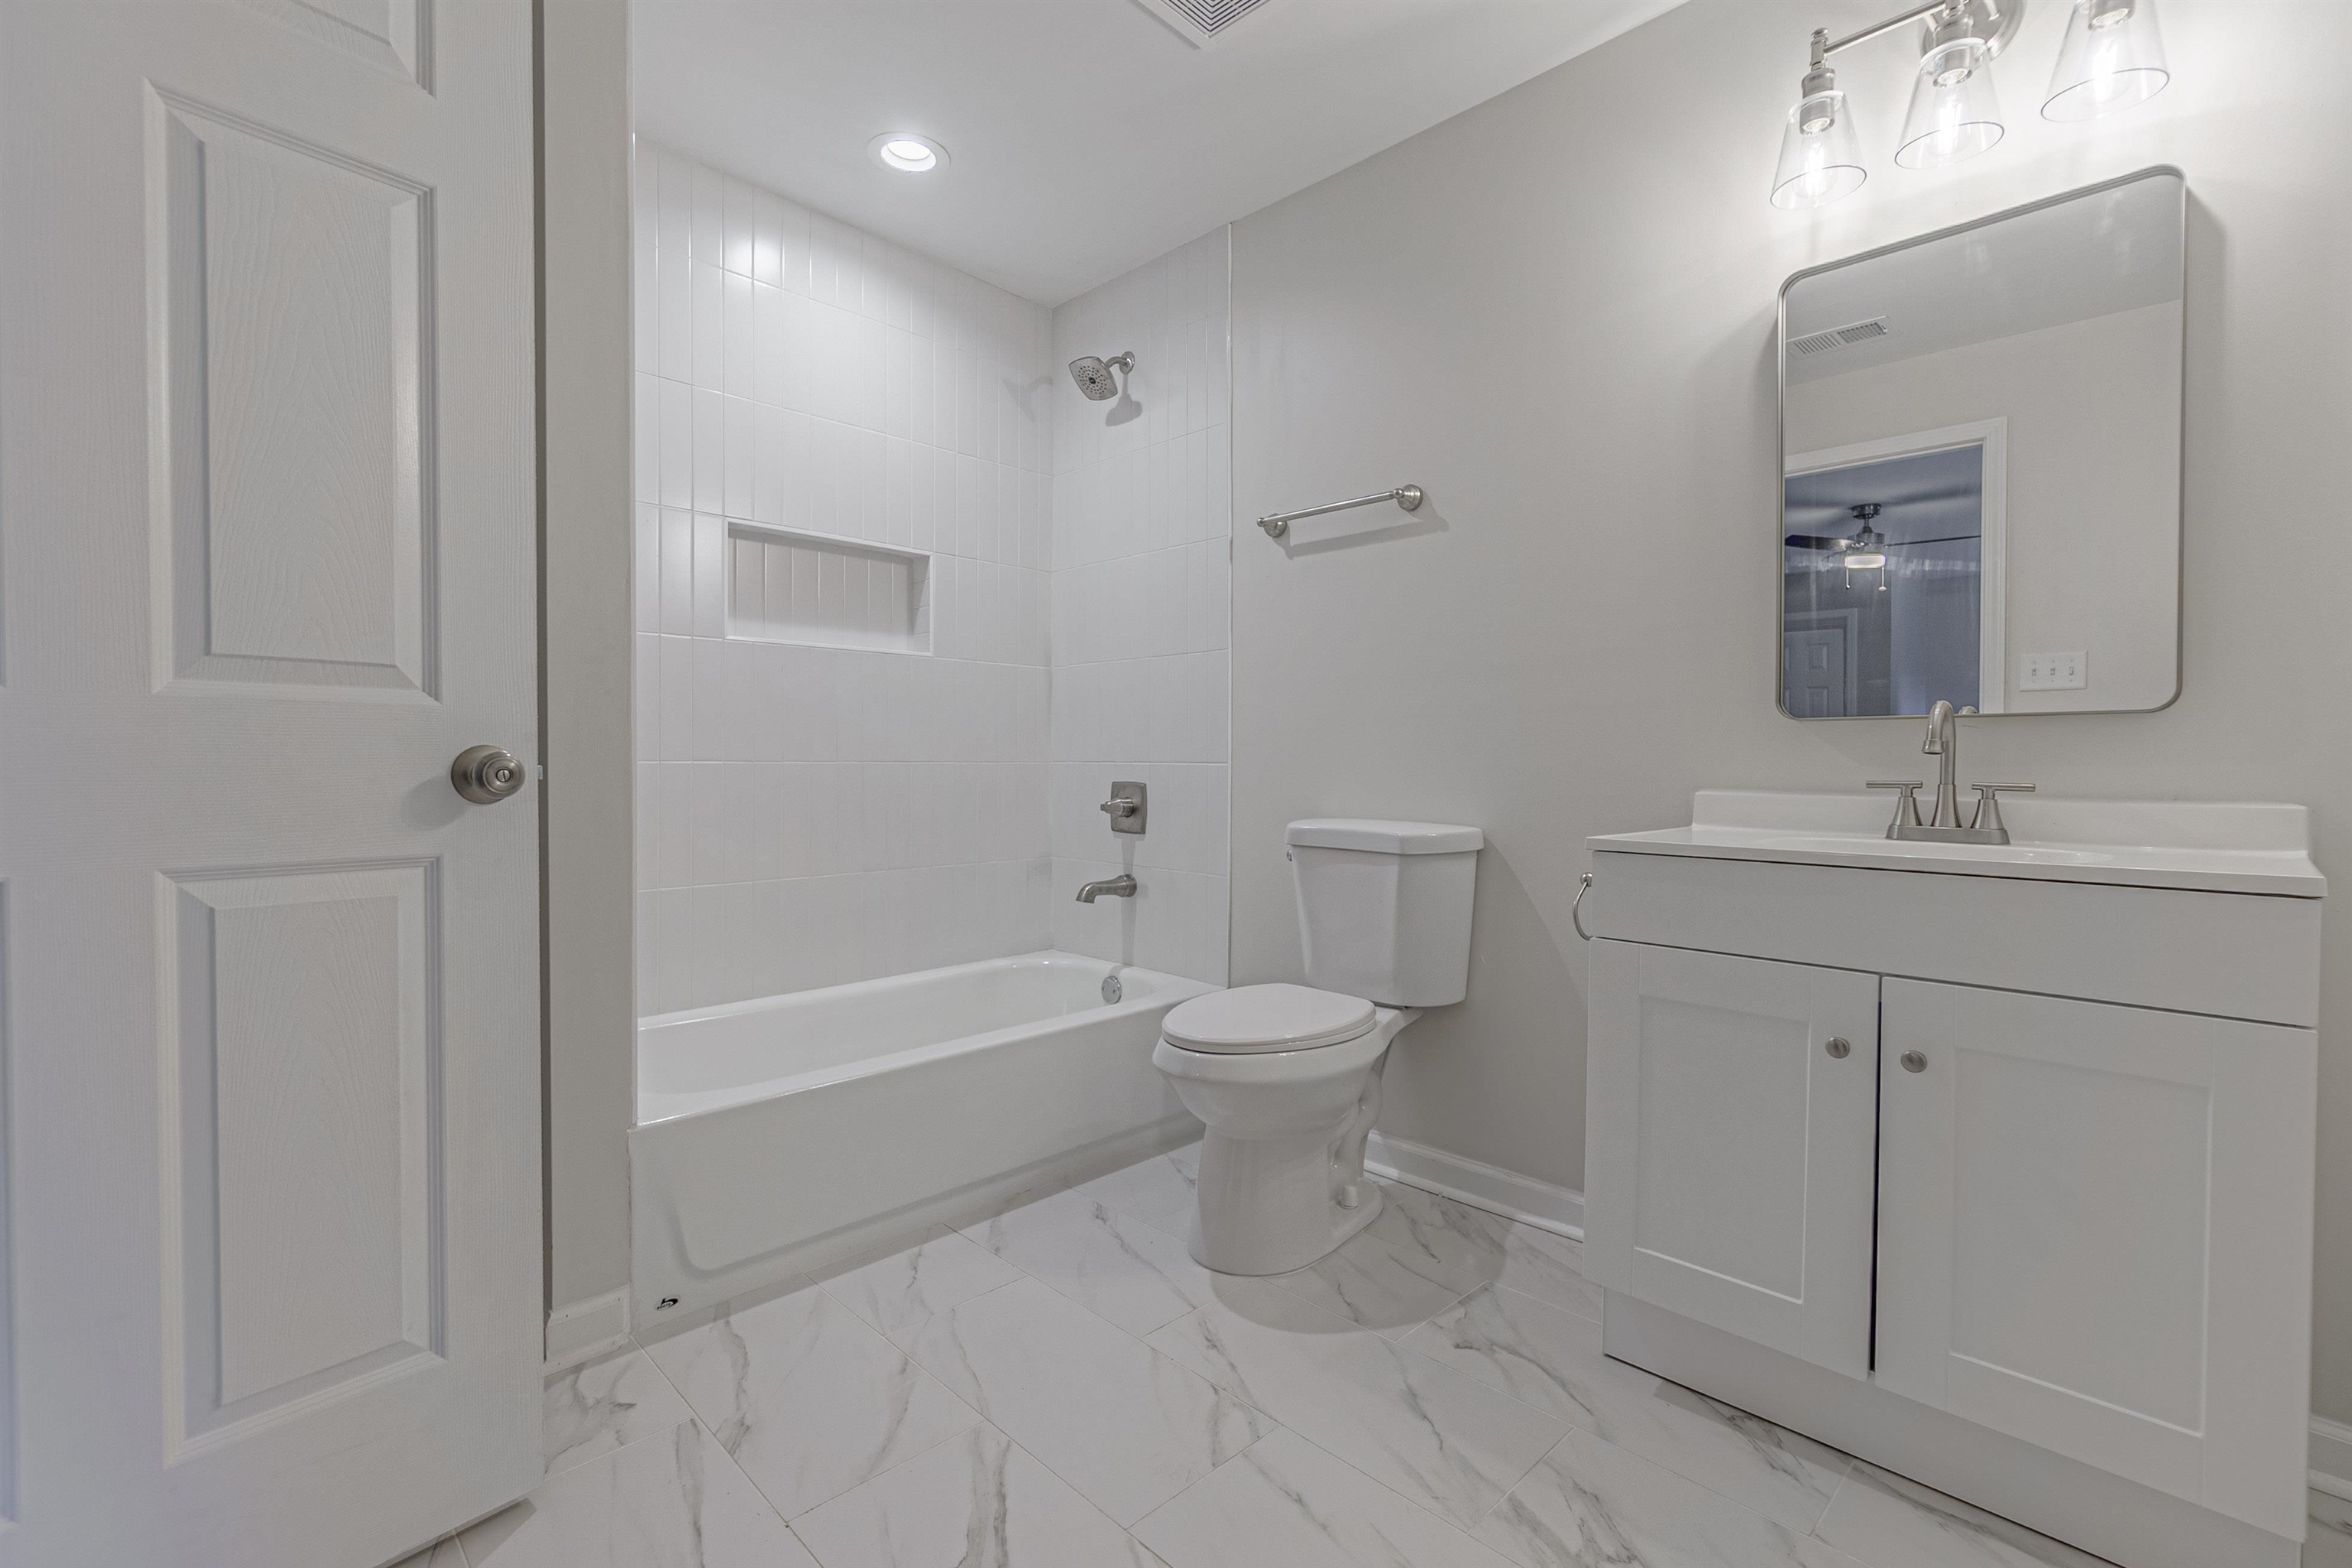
x: 1276, y: 1017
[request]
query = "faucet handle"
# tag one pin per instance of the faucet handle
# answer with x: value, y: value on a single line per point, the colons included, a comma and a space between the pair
x: 1988, y: 812
x: 1907, y: 804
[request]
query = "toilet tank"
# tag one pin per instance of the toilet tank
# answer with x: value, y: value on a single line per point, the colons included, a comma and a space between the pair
x: 1384, y: 907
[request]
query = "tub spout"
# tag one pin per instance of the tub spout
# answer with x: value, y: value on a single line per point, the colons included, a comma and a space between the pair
x: 1120, y: 886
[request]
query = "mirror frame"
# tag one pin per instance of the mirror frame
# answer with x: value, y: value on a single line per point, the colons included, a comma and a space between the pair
x: 1780, y: 441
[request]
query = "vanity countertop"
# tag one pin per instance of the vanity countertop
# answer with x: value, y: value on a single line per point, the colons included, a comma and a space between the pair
x: 2223, y: 846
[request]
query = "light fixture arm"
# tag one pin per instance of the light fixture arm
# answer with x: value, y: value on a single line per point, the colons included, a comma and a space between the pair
x: 1825, y: 47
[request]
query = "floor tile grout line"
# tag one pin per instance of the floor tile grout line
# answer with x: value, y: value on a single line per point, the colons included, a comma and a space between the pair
x: 1137, y: 1340
x: 759, y: 1492
x: 1528, y: 1296
x: 1836, y: 1491
x: 1231, y: 1460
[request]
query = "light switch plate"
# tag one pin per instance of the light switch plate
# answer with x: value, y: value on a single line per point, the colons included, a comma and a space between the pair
x: 2053, y: 671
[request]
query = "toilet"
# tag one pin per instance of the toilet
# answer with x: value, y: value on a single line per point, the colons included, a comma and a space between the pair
x: 1286, y: 1078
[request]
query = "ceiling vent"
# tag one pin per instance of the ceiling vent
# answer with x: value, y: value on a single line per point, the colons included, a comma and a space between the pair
x: 1838, y: 337
x: 1201, y: 22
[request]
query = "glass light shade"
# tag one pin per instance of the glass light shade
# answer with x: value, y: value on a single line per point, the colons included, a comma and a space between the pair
x: 1955, y: 113
x: 1821, y: 160
x: 1862, y: 562
x: 2113, y: 58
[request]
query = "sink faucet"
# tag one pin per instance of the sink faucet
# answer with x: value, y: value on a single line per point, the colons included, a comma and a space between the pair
x: 1943, y: 743
x: 1943, y: 824
x: 1120, y: 886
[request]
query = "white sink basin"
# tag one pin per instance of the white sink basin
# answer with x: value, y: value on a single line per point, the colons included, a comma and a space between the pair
x: 2206, y: 845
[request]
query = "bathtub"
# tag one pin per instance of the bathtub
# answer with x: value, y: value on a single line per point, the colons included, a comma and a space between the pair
x: 778, y: 1136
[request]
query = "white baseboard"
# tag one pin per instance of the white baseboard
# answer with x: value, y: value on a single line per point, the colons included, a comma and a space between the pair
x: 2331, y: 1457
x: 1482, y: 1186
x: 586, y: 1330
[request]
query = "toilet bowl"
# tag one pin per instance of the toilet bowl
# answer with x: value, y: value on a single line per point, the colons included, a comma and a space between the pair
x: 1286, y: 1079
x: 1287, y: 1103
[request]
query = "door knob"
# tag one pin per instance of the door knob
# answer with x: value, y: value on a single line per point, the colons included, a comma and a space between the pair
x: 1840, y: 1047
x: 485, y: 774
x: 1913, y: 1062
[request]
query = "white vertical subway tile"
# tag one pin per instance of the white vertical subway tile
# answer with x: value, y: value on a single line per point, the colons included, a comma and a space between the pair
x: 769, y: 474
x: 768, y: 342
x: 795, y: 248
x: 676, y: 202
x: 708, y: 284
x: 675, y: 415
x: 645, y: 428
x: 709, y: 575
x: 767, y: 238
x: 674, y: 313
x: 737, y: 225
x: 709, y: 214
x: 742, y: 336
x: 644, y: 569
x: 676, y: 565
x: 710, y: 424
x: 741, y: 457
x: 644, y: 303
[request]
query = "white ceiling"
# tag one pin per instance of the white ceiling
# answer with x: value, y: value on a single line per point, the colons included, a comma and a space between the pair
x: 1085, y: 136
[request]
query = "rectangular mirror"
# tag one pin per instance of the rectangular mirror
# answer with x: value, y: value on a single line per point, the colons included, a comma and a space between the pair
x: 1981, y: 464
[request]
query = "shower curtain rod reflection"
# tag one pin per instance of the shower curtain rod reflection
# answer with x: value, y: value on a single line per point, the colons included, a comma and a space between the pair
x: 1277, y: 524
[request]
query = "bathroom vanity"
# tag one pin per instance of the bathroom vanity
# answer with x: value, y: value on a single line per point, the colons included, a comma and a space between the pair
x: 1991, y: 1164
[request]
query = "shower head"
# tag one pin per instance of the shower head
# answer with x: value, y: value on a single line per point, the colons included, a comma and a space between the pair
x: 1093, y: 375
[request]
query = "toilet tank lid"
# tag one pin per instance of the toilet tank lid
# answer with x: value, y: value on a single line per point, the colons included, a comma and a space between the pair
x: 1385, y: 838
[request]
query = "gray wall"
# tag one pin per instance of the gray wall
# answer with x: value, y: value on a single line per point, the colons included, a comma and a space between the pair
x: 584, y: 562
x: 1572, y: 349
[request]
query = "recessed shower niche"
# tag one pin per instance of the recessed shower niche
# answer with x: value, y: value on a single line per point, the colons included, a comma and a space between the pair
x: 812, y: 588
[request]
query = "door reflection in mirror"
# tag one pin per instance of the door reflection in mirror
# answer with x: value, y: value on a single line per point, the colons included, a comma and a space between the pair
x: 1884, y: 604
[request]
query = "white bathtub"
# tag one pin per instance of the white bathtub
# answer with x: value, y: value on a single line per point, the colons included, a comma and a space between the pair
x: 776, y: 1136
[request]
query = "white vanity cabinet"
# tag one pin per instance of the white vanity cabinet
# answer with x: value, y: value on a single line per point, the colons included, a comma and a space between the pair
x: 1996, y: 1177
x: 2095, y: 1234
x: 1732, y: 1180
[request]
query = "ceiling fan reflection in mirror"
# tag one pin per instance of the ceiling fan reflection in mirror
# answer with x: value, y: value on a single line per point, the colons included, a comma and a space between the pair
x: 1865, y: 552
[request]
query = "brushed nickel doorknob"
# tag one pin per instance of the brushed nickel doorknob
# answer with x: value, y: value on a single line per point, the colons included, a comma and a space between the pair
x: 485, y: 774
x: 1840, y: 1047
x: 1913, y: 1062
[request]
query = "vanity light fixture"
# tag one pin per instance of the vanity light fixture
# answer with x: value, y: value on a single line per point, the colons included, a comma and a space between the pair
x: 904, y: 152
x: 1821, y: 159
x: 2113, y: 58
x: 1954, y: 114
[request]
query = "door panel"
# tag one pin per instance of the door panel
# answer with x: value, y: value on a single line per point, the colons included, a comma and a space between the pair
x: 2089, y: 1237
x: 267, y: 509
x: 1728, y: 1153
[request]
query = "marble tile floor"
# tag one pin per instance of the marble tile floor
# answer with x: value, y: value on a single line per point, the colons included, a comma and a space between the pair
x: 1061, y: 1387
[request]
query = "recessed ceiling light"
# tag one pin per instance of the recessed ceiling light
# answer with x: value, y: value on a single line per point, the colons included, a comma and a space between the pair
x: 904, y: 152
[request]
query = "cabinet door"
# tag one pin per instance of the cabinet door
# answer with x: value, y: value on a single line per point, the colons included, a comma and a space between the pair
x: 1728, y: 1150
x: 2095, y: 1233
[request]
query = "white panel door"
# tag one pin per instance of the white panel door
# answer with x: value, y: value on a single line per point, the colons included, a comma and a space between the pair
x: 266, y: 517
x: 2095, y: 1233
x: 1730, y: 1118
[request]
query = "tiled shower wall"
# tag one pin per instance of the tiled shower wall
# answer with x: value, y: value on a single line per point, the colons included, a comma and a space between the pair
x: 811, y: 815
x: 857, y: 767
x: 1142, y: 540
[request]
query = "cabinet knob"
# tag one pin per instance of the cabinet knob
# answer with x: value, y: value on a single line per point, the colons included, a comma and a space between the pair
x: 1840, y: 1047
x: 1913, y: 1062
